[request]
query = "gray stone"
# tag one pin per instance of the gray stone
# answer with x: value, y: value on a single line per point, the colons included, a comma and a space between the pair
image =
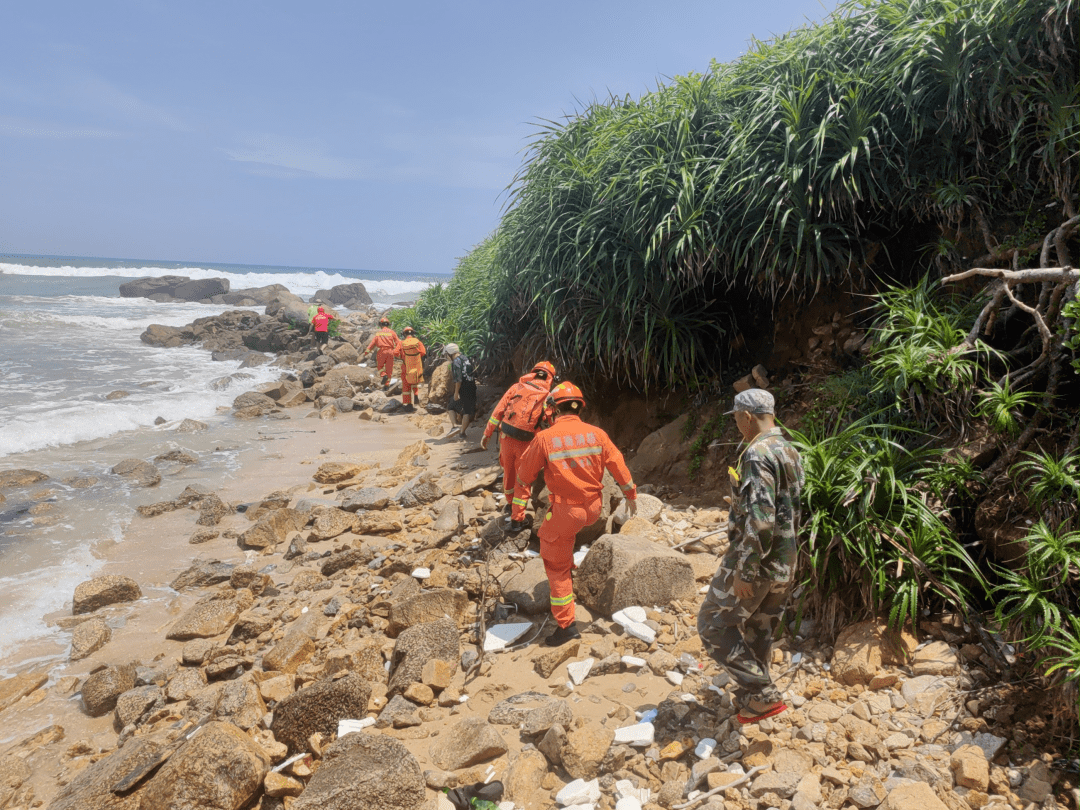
x: 513, y: 710
x: 211, y: 616
x: 272, y: 528
x: 398, y: 713
x: 426, y: 607
x: 418, y: 491
x: 782, y: 784
x: 366, y: 498
x: 319, y: 707
x: 527, y: 588
x: 203, y: 574
x: 417, y: 645
x: 469, y: 742
x: 362, y: 771
x: 134, y: 703
x: 140, y: 473
x: 620, y: 571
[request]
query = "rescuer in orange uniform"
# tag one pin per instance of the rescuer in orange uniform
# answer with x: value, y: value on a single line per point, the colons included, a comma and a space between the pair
x: 388, y: 345
x: 573, y: 456
x: 412, y: 355
x: 517, y: 418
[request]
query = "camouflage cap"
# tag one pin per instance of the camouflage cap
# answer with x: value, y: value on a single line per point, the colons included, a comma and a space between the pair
x: 753, y: 400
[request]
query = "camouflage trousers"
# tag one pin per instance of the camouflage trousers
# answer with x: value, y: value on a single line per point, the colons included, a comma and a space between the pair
x: 738, y: 633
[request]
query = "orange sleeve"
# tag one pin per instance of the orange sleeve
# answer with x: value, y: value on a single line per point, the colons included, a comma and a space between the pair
x: 497, y: 415
x: 616, y: 465
x: 371, y: 345
x: 529, y: 465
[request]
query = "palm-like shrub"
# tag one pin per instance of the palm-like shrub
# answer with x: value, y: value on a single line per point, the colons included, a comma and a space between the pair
x: 1051, y: 485
x: 633, y: 221
x: 874, y: 544
x: 1001, y: 406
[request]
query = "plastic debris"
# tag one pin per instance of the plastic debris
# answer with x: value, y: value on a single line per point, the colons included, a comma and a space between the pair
x: 501, y: 636
x: 640, y: 735
x: 632, y: 620
x: 579, y: 555
x: 705, y: 748
x: 579, y: 792
x: 633, y: 661
x: 349, y: 726
x: 624, y: 789
x: 579, y: 670
x: 674, y: 678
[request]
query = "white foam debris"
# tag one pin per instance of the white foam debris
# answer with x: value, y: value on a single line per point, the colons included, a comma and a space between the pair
x: 640, y: 735
x: 624, y: 789
x: 579, y: 792
x: 674, y: 678
x: 346, y: 726
x: 579, y: 555
x: 501, y: 636
x: 703, y: 589
x: 579, y: 670
x: 633, y: 661
x: 632, y: 613
x: 422, y: 573
x: 629, y: 803
x: 705, y: 748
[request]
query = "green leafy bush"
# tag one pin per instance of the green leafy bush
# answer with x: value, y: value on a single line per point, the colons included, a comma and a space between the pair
x: 873, y: 543
x: 1001, y: 407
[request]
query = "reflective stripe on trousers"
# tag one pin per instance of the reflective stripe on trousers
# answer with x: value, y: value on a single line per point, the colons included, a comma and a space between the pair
x: 561, y: 525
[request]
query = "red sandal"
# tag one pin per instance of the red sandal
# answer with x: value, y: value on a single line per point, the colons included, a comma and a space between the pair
x: 772, y: 711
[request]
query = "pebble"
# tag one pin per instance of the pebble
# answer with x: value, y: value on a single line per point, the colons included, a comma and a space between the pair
x: 705, y: 748
x: 674, y: 678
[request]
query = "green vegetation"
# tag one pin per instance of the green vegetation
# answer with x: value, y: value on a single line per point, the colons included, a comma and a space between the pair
x: 459, y: 311
x: 709, y: 433
x: 635, y: 222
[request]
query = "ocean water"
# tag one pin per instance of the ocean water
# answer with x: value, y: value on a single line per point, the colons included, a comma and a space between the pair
x: 67, y: 340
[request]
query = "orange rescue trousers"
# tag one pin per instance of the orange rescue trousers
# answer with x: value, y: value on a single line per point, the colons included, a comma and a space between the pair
x: 561, y: 525
x: 510, y: 451
x: 385, y: 363
x: 407, y: 391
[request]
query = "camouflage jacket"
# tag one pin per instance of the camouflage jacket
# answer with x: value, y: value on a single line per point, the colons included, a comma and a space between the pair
x: 766, y: 506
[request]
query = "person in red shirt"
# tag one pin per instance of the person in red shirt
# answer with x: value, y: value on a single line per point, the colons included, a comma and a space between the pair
x: 517, y: 418
x: 388, y: 347
x: 321, y: 322
x: 573, y: 456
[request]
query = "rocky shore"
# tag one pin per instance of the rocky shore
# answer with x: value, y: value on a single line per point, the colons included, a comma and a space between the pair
x: 358, y: 631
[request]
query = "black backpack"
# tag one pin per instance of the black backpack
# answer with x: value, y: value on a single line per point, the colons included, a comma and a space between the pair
x: 468, y: 371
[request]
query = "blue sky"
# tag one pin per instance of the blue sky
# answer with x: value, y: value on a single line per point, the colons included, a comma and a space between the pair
x: 335, y: 134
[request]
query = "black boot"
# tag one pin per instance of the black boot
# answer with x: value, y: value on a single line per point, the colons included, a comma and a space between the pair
x: 563, y: 635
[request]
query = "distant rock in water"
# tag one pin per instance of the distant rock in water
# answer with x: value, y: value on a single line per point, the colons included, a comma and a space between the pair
x: 20, y: 478
x: 139, y: 472
x: 164, y: 289
x: 351, y: 296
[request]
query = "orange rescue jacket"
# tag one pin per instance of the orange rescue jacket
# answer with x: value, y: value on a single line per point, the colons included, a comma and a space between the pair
x: 385, y: 339
x: 573, y: 456
x: 520, y: 410
x: 412, y: 354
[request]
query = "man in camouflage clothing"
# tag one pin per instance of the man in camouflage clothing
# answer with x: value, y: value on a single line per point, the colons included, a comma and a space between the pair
x: 750, y: 590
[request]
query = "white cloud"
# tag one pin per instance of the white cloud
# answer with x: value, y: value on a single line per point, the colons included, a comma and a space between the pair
x: 24, y: 128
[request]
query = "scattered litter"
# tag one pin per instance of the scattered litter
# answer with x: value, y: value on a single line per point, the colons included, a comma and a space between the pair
x: 647, y: 716
x: 579, y: 670
x: 705, y: 748
x: 349, y: 726
x: 632, y: 619
x: 624, y: 789
x: 629, y: 803
x: 633, y: 661
x: 463, y: 698
x: 579, y: 555
x: 674, y: 678
x: 294, y: 758
x: 796, y: 658
x: 501, y: 636
x: 422, y: 573
x: 303, y: 610
x: 579, y: 792
x: 640, y: 735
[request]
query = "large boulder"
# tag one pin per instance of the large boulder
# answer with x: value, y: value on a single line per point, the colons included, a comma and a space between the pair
x: 427, y: 606
x: 15, y: 688
x: 319, y: 707
x: 261, y: 296
x: 200, y: 289
x: 212, y: 615
x: 365, y: 499
x: 106, y: 590
x: 528, y: 588
x: 660, y: 450
x: 335, y: 472
x: 140, y: 473
x: 416, y: 646
x: 272, y: 528
x: 470, y: 742
x: 622, y: 571
x: 220, y: 768
x: 101, y: 689
x: 253, y: 403
x: 202, y: 574
x: 362, y: 771
x: 330, y: 522
x: 289, y: 309
x: 344, y: 294
x: 241, y: 704
x: 145, y: 287
x: 92, y: 789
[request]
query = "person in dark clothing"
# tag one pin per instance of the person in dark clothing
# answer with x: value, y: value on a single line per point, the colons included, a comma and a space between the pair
x: 463, y: 406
